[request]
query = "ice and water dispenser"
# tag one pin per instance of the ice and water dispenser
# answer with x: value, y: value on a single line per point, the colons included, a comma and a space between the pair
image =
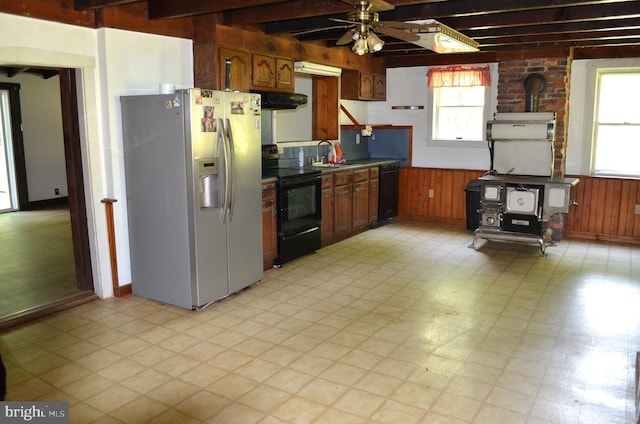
x: 208, y: 176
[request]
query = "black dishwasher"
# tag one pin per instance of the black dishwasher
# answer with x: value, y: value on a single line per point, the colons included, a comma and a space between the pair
x: 388, y: 194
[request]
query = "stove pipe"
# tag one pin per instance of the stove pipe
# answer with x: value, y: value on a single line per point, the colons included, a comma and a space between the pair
x: 533, y: 84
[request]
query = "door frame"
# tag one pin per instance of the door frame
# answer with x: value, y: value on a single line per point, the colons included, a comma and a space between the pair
x: 17, y: 144
x: 75, y: 179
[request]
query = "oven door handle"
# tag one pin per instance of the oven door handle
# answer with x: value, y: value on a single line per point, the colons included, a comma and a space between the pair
x: 300, y: 181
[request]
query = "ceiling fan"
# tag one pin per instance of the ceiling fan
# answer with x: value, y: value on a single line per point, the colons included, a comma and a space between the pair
x: 364, y: 23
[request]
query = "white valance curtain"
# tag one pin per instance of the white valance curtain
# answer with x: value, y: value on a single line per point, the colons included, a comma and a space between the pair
x: 457, y: 76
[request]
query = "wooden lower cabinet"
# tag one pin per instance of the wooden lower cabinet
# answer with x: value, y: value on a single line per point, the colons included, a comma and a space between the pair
x: 326, y: 226
x: 374, y: 187
x: 343, y: 209
x: 360, y: 204
x: 269, y: 225
x: 349, y: 203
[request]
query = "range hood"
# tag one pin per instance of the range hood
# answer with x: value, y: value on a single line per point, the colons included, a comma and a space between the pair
x: 278, y: 101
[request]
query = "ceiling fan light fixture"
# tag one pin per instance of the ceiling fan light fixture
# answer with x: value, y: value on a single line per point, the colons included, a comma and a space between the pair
x: 443, y: 39
x: 374, y: 42
x: 360, y: 46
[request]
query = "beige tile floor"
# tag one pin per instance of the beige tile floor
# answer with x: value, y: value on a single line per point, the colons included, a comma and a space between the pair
x: 37, y: 266
x: 401, y: 324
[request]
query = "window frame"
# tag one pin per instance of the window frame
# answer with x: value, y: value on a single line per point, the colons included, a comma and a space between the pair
x: 437, y: 108
x: 596, y: 124
x: 491, y: 107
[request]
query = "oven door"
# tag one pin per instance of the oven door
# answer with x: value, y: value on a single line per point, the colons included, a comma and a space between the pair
x: 523, y: 208
x: 299, y: 203
x: 299, y: 216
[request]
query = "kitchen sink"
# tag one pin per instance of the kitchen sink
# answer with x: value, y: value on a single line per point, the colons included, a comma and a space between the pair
x: 327, y: 165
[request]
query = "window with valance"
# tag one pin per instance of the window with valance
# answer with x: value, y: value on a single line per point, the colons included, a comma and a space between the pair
x: 459, y: 99
x: 458, y: 76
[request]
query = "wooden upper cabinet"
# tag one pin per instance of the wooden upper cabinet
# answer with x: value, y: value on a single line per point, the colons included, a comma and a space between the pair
x: 379, y: 87
x: 285, y: 74
x: 263, y: 71
x: 240, y: 69
x: 272, y: 72
x: 366, y: 85
x: 324, y: 125
x: 358, y: 85
x: 255, y: 71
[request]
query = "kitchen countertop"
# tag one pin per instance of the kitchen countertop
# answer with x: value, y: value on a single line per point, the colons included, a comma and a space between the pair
x: 349, y: 165
x: 355, y: 164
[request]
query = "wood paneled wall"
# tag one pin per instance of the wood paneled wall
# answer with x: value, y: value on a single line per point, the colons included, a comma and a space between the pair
x: 605, y: 209
x: 448, y: 204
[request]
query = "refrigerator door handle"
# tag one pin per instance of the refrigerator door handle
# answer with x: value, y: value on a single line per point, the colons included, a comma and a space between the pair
x: 227, y: 181
x: 232, y: 156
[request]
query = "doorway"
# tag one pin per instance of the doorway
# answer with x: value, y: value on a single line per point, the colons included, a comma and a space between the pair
x: 8, y: 189
x: 48, y: 265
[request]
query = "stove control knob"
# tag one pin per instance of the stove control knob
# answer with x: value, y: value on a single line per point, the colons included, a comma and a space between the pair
x: 491, y: 220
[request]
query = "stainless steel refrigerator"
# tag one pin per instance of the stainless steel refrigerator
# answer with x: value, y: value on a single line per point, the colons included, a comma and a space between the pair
x: 193, y: 173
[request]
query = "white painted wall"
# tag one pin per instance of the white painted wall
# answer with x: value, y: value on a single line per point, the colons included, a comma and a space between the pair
x: 112, y: 63
x: 295, y: 124
x: 581, y: 110
x: 408, y: 87
x: 42, y: 135
x: 135, y: 64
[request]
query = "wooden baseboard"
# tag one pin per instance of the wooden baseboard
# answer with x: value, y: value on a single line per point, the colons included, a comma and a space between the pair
x: 602, y: 237
x: 35, y: 313
x: 46, y: 204
x: 123, y: 291
x: 433, y: 220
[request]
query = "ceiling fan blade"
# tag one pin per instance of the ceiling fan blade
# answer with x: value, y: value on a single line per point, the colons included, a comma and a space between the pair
x: 310, y: 31
x: 346, y: 38
x: 380, y: 6
x: 401, y: 25
x: 344, y: 21
x: 399, y: 34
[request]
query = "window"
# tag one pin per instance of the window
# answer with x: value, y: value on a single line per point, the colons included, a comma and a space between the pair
x: 459, y: 99
x: 458, y: 113
x: 616, y: 127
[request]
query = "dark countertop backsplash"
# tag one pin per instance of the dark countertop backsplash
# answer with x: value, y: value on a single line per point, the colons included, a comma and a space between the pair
x: 384, y: 144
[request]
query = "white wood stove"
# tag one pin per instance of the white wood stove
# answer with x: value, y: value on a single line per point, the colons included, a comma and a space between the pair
x: 519, y: 194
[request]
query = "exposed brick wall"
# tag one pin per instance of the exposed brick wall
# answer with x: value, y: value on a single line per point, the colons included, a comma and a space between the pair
x: 554, y: 98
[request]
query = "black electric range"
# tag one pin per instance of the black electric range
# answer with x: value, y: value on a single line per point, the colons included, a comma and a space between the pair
x: 272, y: 169
x: 298, y: 197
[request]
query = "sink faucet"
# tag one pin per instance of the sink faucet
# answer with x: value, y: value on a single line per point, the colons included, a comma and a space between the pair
x: 318, y: 148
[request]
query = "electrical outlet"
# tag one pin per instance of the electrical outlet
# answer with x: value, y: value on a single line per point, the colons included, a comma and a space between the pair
x: 637, y: 210
x: 357, y: 138
x: 432, y: 193
x: 56, y: 191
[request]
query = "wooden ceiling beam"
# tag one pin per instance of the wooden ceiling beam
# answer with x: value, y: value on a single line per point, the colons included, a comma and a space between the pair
x: 98, y: 4
x: 509, y: 19
x: 292, y: 10
x: 557, y: 28
x: 169, y: 9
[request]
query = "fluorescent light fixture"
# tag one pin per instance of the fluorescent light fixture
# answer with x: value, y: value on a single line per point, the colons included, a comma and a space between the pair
x: 317, y: 69
x: 443, y: 39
